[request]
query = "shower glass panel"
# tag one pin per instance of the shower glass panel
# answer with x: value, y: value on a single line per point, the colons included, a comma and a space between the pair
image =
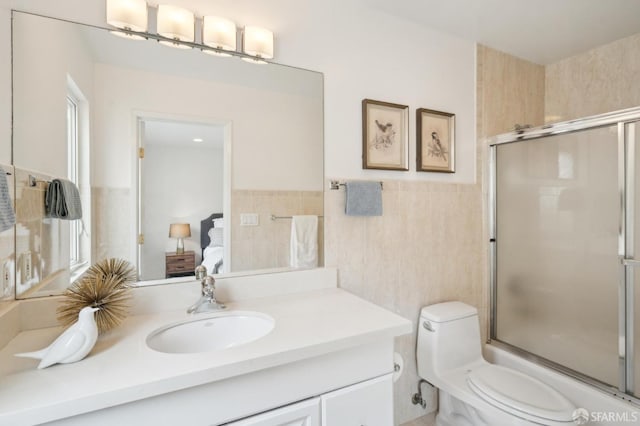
x: 632, y: 131
x: 557, y: 265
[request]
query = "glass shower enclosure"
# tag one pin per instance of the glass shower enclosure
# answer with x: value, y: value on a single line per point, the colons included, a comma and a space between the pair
x: 565, y: 246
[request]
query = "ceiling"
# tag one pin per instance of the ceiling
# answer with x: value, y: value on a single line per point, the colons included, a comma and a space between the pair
x: 174, y: 133
x: 541, y: 31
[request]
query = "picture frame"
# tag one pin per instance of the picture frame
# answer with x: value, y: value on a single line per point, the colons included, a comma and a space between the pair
x: 435, y: 141
x: 385, y: 135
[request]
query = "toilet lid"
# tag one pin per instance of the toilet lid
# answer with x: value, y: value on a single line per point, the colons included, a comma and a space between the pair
x: 519, y: 394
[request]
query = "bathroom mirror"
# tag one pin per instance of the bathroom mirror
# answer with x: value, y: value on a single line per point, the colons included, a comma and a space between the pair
x: 157, y: 137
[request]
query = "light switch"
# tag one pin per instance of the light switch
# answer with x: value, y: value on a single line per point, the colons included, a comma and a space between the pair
x: 249, y: 219
x: 27, y: 272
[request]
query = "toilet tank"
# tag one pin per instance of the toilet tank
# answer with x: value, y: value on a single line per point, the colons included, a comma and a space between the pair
x: 448, y: 338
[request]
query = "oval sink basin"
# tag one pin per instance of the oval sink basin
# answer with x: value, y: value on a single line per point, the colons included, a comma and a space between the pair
x: 210, y: 334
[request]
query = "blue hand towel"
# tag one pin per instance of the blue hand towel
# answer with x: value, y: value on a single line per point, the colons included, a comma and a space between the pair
x: 62, y: 200
x: 363, y: 199
x: 7, y: 215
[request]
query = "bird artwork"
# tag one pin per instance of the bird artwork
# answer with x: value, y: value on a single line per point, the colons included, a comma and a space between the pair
x: 384, y: 137
x: 435, y: 148
x: 72, y: 345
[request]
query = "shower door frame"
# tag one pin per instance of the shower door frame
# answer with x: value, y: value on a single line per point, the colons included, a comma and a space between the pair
x: 626, y: 127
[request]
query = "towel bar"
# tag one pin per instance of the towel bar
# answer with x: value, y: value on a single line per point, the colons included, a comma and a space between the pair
x: 274, y: 217
x: 33, y: 181
x: 337, y: 184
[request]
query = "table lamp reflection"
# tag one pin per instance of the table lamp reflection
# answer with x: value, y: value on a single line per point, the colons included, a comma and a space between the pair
x: 179, y: 231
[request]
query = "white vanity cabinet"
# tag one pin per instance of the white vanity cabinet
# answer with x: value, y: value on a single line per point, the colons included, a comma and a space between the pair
x: 369, y: 403
x: 317, y: 367
x: 305, y: 413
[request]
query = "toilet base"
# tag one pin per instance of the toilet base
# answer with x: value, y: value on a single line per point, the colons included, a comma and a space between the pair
x: 453, y: 412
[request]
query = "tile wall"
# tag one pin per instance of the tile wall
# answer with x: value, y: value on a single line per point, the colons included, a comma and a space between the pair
x: 430, y: 244
x: 267, y: 245
x: 113, y: 223
x: 42, y: 245
x: 601, y: 80
x: 7, y: 254
x: 426, y: 248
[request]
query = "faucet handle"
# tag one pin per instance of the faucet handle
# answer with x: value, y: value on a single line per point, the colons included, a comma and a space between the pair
x: 201, y: 272
x: 208, y: 286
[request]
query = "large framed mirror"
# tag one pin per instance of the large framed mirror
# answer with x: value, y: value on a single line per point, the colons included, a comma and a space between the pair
x: 178, y: 155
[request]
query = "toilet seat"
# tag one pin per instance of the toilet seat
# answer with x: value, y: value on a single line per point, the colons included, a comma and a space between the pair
x: 520, y: 395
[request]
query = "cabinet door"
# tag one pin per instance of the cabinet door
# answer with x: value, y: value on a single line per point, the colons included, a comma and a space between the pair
x: 368, y: 403
x: 305, y: 413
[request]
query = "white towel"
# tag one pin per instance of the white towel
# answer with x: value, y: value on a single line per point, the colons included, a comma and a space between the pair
x: 304, y: 242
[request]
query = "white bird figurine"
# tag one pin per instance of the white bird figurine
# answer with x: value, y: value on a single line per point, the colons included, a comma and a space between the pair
x: 72, y: 345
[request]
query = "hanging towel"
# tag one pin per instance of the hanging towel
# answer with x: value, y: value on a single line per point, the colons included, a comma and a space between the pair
x: 62, y: 200
x: 304, y: 242
x: 363, y: 199
x: 7, y: 215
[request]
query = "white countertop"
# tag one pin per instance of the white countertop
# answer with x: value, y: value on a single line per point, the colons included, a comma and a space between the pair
x: 121, y: 368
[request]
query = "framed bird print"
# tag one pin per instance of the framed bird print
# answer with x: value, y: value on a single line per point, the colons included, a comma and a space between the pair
x: 385, y: 135
x: 435, y: 147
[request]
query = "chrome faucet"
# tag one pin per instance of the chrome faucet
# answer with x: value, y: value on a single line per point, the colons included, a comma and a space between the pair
x: 207, y: 302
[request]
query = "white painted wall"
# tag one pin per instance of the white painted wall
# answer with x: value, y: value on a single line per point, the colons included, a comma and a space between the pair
x: 40, y: 125
x: 182, y: 184
x: 265, y: 156
x: 5, y: 84
x: 364, y: 53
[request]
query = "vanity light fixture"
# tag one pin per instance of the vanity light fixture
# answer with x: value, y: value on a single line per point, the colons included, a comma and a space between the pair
x: 257, y: 42
x: 177, y: 24
x: 198, y: 140
x: 128, y: 15
x: 219, y: 33
x: 175, y: 27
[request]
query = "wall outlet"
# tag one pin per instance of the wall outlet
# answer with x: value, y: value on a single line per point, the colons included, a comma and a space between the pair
x: 249, y: 219
x: 5, y: 270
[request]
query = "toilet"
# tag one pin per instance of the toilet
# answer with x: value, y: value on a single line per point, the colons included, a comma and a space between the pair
x: 472, y: 391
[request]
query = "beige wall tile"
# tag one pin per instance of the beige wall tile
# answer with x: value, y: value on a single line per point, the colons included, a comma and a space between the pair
x: 595, y: 82
x: 39, y: 240
x: 509, y: 91
x: 112, y: 228
x: 267, y: 245
x: 8, y: 254
x: 423, y: 250
x: 428, y: 420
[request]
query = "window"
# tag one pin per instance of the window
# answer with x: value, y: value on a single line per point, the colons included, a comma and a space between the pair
x: 78, y: 132
x: 75, y: 226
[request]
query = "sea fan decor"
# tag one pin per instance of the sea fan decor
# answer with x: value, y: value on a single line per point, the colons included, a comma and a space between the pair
x: 105, y: 285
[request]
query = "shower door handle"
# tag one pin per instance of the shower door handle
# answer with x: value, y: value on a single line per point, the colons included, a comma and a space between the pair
x: 631, y: 262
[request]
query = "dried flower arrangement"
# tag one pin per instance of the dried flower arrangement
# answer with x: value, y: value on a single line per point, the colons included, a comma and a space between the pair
x: 104, y: 285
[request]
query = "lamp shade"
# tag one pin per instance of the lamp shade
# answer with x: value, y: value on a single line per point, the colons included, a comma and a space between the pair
x: 176, y: 23
x: 258, y: 42
x: 219, y: 33
x: 127, y: 14
x: 179, y: 230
